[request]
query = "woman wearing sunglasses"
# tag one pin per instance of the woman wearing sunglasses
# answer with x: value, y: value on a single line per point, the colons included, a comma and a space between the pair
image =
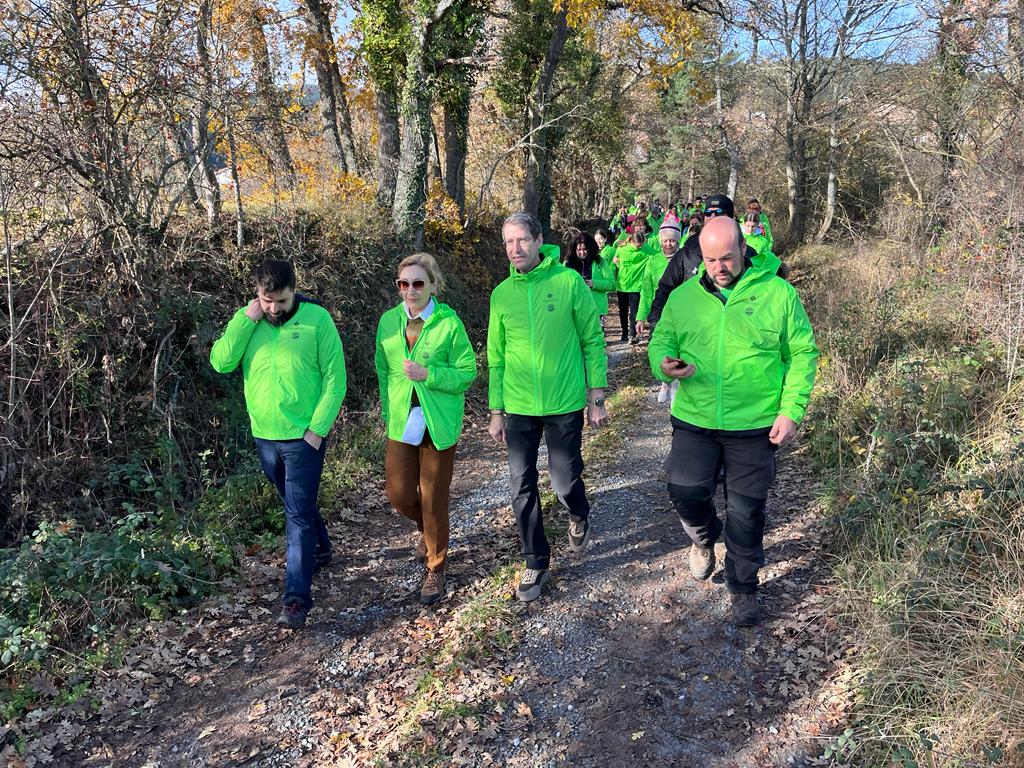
x: 425, y: 364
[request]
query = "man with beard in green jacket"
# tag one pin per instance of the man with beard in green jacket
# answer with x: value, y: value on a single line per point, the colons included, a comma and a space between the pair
x: 738, y: 340
x: 547, y: 365
x: 293, y: 368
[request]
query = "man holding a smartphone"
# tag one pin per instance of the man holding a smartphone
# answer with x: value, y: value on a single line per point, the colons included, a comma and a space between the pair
x: 739, y: 341
x: 293, y: 367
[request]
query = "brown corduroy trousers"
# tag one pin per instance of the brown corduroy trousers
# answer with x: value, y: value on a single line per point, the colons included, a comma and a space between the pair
x: 417, y: 479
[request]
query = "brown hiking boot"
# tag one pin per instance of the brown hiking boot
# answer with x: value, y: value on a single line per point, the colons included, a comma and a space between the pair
x: 433, y: 587
x: 746, y: 611
x: 702, y: 562
x: 421, y: 548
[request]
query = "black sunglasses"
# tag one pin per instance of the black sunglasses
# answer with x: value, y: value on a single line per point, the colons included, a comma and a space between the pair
x: 405, y: 285
x: 713, y: 212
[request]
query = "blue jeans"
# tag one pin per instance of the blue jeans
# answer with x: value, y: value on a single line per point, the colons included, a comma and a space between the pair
x: 294, y: 467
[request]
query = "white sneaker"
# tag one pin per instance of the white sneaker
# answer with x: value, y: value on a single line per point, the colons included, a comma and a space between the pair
x: 663, y: 394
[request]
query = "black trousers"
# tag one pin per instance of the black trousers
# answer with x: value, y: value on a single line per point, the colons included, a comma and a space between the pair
x: 629, y: 305
x: 564, y: 434
x: 693, y: 465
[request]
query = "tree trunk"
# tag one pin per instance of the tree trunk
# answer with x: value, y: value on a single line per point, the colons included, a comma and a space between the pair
x: 389, y: 146
x: 409, y: 211
x: 537, y: 187
x: 236, y: 180
x: 202, y: 139
x: 1015, y: 42
x: 269, y: 122
x: 434, y: 172
x: 730, y: 146
x: 336, y: 123
x: 952, y: 77
x: 456, y: 145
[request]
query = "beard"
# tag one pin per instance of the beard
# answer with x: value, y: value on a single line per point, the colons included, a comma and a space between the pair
x: 275, y: 320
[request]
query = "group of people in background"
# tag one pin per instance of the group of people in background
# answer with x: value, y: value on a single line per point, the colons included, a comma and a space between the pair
x: 734, y: 344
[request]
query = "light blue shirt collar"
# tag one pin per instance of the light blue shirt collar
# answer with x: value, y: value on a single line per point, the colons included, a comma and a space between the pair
x: 424, y: 315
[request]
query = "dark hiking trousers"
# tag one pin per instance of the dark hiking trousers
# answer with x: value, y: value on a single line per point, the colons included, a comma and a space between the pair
x: 564, y: 435
x: 693, y: 465
x: 629, y: 305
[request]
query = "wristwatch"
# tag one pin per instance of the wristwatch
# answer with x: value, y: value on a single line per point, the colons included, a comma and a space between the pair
x: 599, y: 402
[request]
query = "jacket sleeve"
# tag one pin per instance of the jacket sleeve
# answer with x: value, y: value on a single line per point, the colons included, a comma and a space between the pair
x: 647, y: 290
x: 588, y: 327
x: 333, y: 381
x: 380, y: 360
x: 673, y: 277
x: 602, y: 278
x: 228, y: 350
x: 496, y: 359
x: 800, y: 356
x: 664, y: 343
x: 455, y: 377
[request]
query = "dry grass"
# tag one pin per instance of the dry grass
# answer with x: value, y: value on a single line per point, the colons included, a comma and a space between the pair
x: 917, y: 428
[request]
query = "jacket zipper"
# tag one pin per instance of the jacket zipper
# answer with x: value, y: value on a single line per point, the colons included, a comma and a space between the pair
x: 533, y: 343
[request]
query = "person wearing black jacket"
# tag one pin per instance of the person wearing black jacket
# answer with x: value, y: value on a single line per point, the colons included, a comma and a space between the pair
x: 687, y: 260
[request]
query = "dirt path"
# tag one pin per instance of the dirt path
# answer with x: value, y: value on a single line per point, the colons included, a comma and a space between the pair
x: 624, y: 660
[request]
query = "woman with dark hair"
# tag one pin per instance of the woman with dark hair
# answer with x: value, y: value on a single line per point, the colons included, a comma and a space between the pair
x: 583, y: 255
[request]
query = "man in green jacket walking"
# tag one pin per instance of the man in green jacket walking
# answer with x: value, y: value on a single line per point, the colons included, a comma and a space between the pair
x: 547, y: 364
x: 293, y: 367
x: 739, y: 341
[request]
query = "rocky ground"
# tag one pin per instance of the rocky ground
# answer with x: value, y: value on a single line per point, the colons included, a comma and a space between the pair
x: 623, y: 661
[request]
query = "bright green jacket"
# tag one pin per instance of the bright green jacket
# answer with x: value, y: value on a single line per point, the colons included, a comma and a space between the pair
x: 755, y: 354
x: 602, y: 278
x: 768, y: 231
x: 442, y: 348
x: 545, y: 345
x: 632, y: 261
x: 653, y: 270
x: 652, y: 245
x: 294, y: 374
x: 760, y: 243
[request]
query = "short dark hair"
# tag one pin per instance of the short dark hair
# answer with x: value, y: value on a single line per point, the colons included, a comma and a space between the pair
x: 753, y: 201
x: 275, y: 275
x: 528, y: 220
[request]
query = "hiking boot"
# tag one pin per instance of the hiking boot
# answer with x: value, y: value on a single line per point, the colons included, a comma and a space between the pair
x: 634, y: 340
x: 746, y: 611
x: 530, y: 584
x: 293, y: 615
x: 421, y: 548
x: 433, y: 587
x: 579, y: 535
x: 624, y: 337
x: 664, y: 394
x: 702, y: 562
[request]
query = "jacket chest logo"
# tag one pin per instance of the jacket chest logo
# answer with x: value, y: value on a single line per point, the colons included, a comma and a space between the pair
x: 295, y: 334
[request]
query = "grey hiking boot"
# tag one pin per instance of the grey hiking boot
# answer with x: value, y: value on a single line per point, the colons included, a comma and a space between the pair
x: 531, y: 583
x: 746, y: 611
x: 702, y: 562
x: 579, y: 535
x: 293, y: 615
x: 433, y: 587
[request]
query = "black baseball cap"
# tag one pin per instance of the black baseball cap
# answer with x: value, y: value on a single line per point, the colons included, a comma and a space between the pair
x: 719, y: 205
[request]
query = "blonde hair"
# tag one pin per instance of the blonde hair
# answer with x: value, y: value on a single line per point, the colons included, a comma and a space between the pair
x: 429, y: 265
